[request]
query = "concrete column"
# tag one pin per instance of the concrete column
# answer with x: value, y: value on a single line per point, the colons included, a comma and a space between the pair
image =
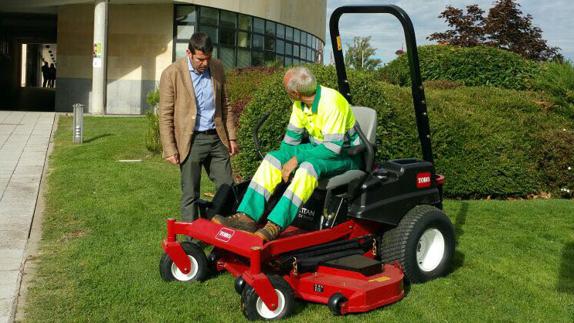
x: 99, y: 79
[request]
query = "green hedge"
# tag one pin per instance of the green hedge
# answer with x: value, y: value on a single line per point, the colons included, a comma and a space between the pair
x: 472, y: 66
x: 487, y: 141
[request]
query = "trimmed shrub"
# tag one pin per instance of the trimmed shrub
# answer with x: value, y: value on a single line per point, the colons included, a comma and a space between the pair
x: 486, y: 140
x: 152, y: 141
x: 471, y: 66
x: 557, y: 79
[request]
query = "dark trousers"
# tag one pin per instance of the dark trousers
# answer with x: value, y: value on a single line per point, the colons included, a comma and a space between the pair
x: 208, y: 151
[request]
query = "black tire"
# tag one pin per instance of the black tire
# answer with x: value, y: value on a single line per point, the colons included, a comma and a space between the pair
x: 335, y: 302
x: 422, y: 258
x: 254, y: 309
x: 199, y: 271
x: 239, y: 285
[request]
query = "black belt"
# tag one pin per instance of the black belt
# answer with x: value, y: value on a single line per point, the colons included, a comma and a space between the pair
x: 206, y: 132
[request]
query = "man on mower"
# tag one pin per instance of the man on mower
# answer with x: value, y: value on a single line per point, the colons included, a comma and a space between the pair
x: 328, y: 119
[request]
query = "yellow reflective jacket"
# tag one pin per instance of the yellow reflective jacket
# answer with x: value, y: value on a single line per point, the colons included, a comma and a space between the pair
x: 329, y: 123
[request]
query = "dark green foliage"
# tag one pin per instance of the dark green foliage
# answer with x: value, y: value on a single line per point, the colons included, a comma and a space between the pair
x: 557, y: 79
x: 152, y: 141
x: 474, y: 66
x: 486, y: 140
x: 555, y: 151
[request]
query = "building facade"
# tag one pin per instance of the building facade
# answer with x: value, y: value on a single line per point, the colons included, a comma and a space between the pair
x: 126, y: 44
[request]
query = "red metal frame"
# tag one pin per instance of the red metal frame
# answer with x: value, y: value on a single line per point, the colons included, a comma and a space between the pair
x: 242, y: 254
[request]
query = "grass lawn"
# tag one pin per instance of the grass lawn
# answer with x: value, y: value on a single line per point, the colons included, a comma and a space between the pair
x: 105, y: 220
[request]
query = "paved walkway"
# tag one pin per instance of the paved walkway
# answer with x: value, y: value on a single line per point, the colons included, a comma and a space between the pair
x: 24, y: 140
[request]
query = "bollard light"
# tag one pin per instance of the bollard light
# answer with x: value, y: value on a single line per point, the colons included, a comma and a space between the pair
x: 78, y: 130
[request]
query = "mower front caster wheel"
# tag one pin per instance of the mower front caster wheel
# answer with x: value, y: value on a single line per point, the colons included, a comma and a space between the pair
x: 335, y: 303
x: 254, y: 309
x: 199, y: 265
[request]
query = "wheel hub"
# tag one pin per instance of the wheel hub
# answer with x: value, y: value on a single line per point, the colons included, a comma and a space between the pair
x: 265, y: 312
x: 430, y: 249
x: 179, y: 275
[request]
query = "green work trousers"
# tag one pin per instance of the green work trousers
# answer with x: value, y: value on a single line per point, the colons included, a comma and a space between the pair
x: 304, y: 182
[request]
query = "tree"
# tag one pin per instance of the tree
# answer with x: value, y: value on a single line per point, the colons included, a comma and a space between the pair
x: 505, y: 27
x: 359, y: 54
x: 468, y: 29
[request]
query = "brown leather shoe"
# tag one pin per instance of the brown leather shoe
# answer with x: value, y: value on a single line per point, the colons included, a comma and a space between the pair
x: 239, y: 221
x: 269, y: 232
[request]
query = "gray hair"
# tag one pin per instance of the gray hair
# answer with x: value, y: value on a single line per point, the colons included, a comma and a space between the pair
x: 302, y: 81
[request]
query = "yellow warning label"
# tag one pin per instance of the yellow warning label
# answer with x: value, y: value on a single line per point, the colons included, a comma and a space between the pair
x: 339, y: 46
x: 380, y: 279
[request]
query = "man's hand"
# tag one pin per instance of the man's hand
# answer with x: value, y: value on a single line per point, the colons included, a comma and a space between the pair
x: 288, y: 168
x: 174, y: 159
x: 233, y: 148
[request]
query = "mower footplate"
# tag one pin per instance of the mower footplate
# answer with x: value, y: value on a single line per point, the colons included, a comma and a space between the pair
x: 362, y: 293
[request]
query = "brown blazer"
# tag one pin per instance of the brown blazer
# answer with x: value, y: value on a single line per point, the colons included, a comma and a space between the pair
x: 177, y: 108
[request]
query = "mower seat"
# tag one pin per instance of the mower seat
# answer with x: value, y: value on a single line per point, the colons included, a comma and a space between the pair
x: 366, y: 120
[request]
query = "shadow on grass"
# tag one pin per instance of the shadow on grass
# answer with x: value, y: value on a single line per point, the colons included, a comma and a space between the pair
x: 460, y: 221
x: 566, y: 279
x: 97, y: 137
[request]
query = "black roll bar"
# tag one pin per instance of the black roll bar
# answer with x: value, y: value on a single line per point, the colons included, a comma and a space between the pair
x: 414, y: 66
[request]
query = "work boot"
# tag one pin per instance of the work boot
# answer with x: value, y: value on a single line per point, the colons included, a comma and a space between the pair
x: 269, y: 232
x: 238, y: 221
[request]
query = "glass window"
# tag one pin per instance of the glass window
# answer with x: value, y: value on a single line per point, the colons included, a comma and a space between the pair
x: 309, y: 40
x: 228, y: 19
x: 211, y: 32
x: 296, y: 50
x: 296, y: 61
x: 269, y: 58
x: 257, y: 59
x: 314, y: 45
x: 227, y: 56
x: 243, y: 58
x: 227, y: 37
x: 297, y: 36
x: 257, y: 41
x: 309, y: 54
x: 243, y: 39
x: 244, y: 22
x: 280, y: 31
x: 215, y: 53
x: 185, y: 14
x: 269, y: 43
x: 270, y: 28
x: 288, y: 61
x: 289, y: 33
x: 208, y: 16
x: 184, y: 32
x: 180, y: 49
x: 280, y: 46
x: 258, y: 25
x: 288, y: 49
x: 303, y: 38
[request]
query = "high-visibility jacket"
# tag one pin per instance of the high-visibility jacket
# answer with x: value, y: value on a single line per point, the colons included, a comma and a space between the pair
x: 329, y: 123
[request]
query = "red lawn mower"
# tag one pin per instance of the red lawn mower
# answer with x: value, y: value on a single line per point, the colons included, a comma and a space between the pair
x: 354, y: 244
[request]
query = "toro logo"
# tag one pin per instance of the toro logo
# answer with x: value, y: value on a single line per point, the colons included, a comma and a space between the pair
x: 423, y: 180
x: 224, y: 234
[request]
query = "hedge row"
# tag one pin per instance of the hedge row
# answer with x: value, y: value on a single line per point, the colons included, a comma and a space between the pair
x: 487, y: 141
x: 472, y: 66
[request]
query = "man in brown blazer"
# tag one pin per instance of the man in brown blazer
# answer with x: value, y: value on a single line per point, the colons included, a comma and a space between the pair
x: 197, y: 126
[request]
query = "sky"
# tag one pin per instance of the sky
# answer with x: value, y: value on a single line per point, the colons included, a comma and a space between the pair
x: 555, y: 18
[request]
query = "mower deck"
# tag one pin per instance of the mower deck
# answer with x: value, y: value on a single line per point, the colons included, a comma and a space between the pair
x: 364, y: 283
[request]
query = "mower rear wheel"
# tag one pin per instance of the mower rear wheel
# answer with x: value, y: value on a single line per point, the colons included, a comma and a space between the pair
x: 255, y: 309
x: 199, y: 265
x: 423, y: 243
